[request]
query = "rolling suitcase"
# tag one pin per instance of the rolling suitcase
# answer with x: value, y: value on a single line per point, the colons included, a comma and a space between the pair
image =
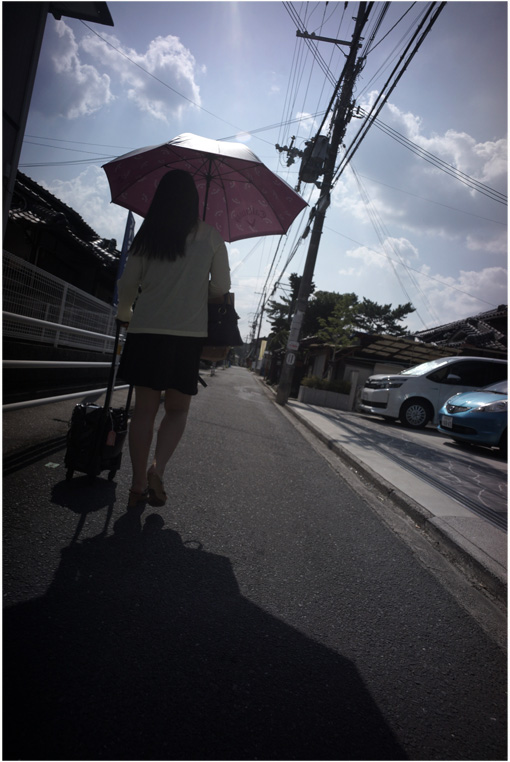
x: 96, y: 434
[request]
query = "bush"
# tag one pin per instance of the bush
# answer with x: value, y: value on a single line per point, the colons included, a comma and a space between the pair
x: 314, y: 382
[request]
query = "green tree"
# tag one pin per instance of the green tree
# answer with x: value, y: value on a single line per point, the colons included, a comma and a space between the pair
x: 381, y: 318
x: 349, y: 314
x: 320, y: 307
x: 339, y: 325
x: 332, y: 317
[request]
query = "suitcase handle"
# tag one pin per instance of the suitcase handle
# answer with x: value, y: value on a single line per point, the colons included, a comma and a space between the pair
x: 113, y: 368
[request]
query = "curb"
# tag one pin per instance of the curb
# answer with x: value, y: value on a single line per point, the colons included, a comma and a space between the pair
x: 450, y: 544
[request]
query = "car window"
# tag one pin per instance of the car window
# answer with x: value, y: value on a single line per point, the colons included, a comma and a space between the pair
x: 474, y: 373
x: 501, y: 387
x: 470, y: 373
x: 423, y: 368
x: 496, y: 372
x: 439, y: 377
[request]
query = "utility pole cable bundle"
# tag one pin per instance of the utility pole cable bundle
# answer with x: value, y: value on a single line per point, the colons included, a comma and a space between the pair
x: 343, y: 113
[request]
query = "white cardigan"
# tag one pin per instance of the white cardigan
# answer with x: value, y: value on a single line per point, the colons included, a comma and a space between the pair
x: 173, y: 296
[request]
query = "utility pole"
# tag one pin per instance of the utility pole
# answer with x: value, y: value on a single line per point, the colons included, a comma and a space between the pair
x: 343, y: 109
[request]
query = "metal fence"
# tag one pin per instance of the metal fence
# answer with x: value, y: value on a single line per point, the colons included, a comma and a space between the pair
x: 31, y: 292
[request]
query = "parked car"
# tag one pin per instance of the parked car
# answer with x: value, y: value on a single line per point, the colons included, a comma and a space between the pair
x: 478, y: 417
x: 416, y: 395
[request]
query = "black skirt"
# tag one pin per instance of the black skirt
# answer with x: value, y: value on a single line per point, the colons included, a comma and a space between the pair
x: 161, y: 361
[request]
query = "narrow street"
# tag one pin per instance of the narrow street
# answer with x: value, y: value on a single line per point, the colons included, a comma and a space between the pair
x: 265, y: 612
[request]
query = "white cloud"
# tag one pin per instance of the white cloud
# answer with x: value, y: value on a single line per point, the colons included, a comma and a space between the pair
x: 438, y: 299
x: 468, y: 294
x: 166, y: 58
x: 346, y: 197
x: 431, y: 201
x: 89, y: 195
x: 81, y: 90
x: 307, y: 123
x: 78, y: 78
x: 399, y: 250
x: 495, y: 245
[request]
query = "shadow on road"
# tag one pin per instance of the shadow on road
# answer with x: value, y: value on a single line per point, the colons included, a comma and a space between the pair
x: 144, y: 648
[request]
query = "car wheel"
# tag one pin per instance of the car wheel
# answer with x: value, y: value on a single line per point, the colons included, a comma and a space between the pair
x: 415, y: 414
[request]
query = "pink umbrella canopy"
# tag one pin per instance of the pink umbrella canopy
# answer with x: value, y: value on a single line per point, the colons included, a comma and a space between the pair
x: 238, y: 194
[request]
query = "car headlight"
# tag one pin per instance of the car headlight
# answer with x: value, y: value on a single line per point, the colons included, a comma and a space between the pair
x: 501, y: 406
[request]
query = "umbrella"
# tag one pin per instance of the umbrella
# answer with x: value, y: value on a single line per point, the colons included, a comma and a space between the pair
x: 238, y: 194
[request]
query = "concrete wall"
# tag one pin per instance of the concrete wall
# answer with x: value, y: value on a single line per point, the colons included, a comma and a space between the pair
x: 334, y: 400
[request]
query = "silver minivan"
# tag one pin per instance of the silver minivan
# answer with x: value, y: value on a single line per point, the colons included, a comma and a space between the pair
x: 415, y: 396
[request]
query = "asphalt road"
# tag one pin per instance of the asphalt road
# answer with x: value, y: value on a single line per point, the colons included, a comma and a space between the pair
x: 265, y: 612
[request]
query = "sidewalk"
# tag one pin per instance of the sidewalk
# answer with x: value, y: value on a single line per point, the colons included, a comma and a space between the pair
x: 469, y: 540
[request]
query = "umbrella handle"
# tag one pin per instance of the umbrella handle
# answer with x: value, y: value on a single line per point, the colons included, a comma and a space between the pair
x: 208, y: 179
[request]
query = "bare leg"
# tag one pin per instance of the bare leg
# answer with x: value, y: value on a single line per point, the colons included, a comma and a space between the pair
x: 140, y: 434
x: 171, y: 429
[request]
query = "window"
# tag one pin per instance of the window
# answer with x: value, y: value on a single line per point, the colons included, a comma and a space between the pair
x: 496, y: 372
x: 475, y: 373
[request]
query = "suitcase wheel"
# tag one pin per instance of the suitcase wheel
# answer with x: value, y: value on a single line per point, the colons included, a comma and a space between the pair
x: 69, y: 474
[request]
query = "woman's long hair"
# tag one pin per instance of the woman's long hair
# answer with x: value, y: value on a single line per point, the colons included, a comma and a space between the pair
x: 172, y: 216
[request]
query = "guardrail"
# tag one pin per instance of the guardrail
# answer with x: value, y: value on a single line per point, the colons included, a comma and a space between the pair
x: 29, y: 291
x: 60, y: 327
x: 60, y: 398
x: 53, y: 364
x: 56, y: 363
x: 31, y: 364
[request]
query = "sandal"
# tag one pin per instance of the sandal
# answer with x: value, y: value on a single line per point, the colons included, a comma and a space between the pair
x: 157, y: 494
x: 135, y: 498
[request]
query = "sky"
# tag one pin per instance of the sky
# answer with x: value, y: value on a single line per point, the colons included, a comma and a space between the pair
x: 398, y: 229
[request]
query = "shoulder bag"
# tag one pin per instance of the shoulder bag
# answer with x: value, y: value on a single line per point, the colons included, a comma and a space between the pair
x: 222, y: 330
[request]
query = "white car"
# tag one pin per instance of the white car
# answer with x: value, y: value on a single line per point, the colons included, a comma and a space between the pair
x: 416, y: 395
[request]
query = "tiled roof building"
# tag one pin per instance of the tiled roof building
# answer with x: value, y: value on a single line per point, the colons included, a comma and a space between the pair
x: 486, y: 331
x: 51, y: 235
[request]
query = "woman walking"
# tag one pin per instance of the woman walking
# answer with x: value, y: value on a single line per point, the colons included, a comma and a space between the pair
x: 175, y: 263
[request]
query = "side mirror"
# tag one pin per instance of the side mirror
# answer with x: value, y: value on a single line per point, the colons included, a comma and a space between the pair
x: 452, y: 379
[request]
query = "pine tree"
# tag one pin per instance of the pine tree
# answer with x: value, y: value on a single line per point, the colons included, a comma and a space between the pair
x: 377, y: 318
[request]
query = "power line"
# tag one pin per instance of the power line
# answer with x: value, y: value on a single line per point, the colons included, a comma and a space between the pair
x: 313, y: 48
x: 385, y: 238
x: 59, y: 148
x: 436, y: 161
x: 69, y: 163
x: 165, y: 84
x: 390, y: 30
x: 424, y: 275
x: 78, y: 142
x: 430, y: 201
x: 391, y: 83
x: 393, y: 55
x: 376, y: 27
